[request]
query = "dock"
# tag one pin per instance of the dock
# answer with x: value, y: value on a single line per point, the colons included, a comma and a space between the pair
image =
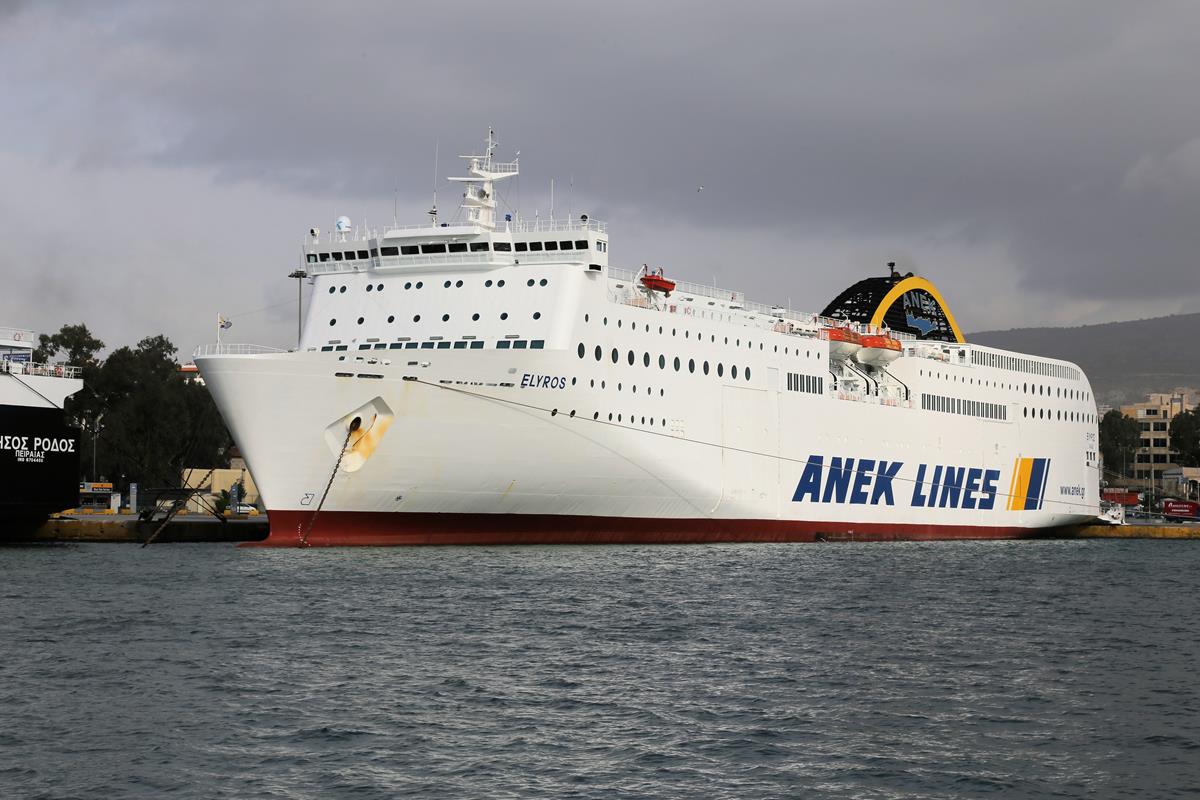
x: 129, y: 529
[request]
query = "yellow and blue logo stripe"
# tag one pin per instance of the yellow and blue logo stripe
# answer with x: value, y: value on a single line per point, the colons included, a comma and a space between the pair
x: 1028, y: 488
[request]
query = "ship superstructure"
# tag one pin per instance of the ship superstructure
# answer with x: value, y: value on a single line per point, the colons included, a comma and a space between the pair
x: 497, y: 380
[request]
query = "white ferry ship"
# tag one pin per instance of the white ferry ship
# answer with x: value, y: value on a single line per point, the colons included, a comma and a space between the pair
x: 496, y: 380
x: 39, y: 452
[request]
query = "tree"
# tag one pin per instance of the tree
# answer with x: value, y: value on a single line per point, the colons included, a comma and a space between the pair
x: 1120, y: 438
x: 74, y: 341
x: 156, y: 424
x: 1185, y: 437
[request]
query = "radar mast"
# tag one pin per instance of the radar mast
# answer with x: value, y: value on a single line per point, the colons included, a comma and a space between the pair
x: 479, y: 194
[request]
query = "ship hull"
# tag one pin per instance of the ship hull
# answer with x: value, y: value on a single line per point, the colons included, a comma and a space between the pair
x: 366, y: 529
x: 489, y: 461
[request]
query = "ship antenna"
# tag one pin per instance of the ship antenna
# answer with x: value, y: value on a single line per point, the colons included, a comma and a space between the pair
x: 433, y: 211
x: 552, y: 199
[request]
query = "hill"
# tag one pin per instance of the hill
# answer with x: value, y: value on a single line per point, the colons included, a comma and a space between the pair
x: 1123, y: 360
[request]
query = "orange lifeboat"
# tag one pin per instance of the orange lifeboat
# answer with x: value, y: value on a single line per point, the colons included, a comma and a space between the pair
x: 843, y: 342
x: 657, y: 283
x: 878, y: 351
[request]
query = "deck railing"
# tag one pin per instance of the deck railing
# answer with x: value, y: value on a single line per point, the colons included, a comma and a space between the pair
x: 10, y: 367
x: 224, y: 349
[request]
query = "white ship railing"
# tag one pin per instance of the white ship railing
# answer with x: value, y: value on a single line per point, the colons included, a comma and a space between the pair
x: 9, y: 367
x: 224, y: 349
x: 448, y: 260
x: 363, y: 233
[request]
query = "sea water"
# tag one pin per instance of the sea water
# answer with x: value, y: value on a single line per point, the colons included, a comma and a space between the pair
x: 922, y: 670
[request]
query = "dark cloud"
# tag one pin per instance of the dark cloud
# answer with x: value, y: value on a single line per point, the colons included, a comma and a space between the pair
x: 1049, y: 149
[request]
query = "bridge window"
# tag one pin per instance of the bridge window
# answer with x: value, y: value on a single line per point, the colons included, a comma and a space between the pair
x: 503, y: 247
x: 479, y: 247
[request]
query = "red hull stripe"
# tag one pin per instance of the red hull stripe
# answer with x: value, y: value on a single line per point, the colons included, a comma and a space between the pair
x: 365, y: 528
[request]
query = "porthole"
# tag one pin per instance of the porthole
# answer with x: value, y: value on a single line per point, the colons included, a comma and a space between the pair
x: 630, y: 358
x: 733, y: 372
x: 408, y: 285
x: 747, y: 373
x: 504, y: 315
x: 537, y: 315
x: 475, y: 318
x: 379, y: 287
x: 677, y: 363
x: 587, y: 317
x: 420, y: 284
x: 417, y: 318
x: 391, y: 319
x: 581, y: 350
x: 596, y: 415
x: 370, y: 286
x: 333, y: 322
x: 720, y: 370
x: 500, y: 283
x: 542, y: 282
x: 332, y: 289
x: 342, y: 290
x: 705, y: 367
x: 488, y: 284
x: 691, y: 365
x: 360, y: 320
x: 606, y: 320
x: 457, y: 285
x: 615, y: 355
x: 618, y: 323
x: 529, y: 282
x: 662, y: 362
x: 599, y: 353
x: 446, y: 285
x: 645, y: 359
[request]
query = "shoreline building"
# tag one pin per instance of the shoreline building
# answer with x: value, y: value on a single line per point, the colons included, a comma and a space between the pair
x: 1154, y: 456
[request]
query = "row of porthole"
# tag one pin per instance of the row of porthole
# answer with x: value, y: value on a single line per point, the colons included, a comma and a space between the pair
x: 620, y: 386
x: 712, y: 337
x: 662, y: 362
x: 378, y: 287
x: 445, y: 318
x: 1069, y: 394
x: 1068, y: 416
x: 633, y: 418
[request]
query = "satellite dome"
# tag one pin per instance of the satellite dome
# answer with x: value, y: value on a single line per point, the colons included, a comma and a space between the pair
x: 342, y: 225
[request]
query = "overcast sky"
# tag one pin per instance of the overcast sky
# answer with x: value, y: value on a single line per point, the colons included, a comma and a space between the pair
x: 1040, y: 162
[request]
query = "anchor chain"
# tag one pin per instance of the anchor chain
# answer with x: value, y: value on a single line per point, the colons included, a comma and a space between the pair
x: 354, y: 425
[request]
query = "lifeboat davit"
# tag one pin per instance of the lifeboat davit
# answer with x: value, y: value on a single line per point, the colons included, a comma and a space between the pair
x: 843, y: 342
x: 657, y: 283
x: 878, y: 351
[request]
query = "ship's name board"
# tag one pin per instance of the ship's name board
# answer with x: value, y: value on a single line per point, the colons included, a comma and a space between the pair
x: 866, y: 481
x: 33, y: 449
x: 534, y: 381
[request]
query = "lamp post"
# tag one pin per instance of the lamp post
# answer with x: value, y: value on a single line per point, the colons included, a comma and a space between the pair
x: 299, y: 275
x: 95, y: 434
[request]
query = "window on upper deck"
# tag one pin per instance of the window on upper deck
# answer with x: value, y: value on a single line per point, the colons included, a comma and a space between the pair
x: 409, y: 249
x: 457, y: 247
x: 389, y: 251
x: 433, y: 248
x: 479, y: 247
x: 350, y: 255
x: 550, y: 245
x: 535, y: 246
x: 521, y: 246
x: 324, y: 257
x: 363, y: 254
x: 564, y: 246
x: 312, y: 258
x: 336, y: 256
x: 374, y: 252
x: 581, y: 244
x: 503, y: 247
